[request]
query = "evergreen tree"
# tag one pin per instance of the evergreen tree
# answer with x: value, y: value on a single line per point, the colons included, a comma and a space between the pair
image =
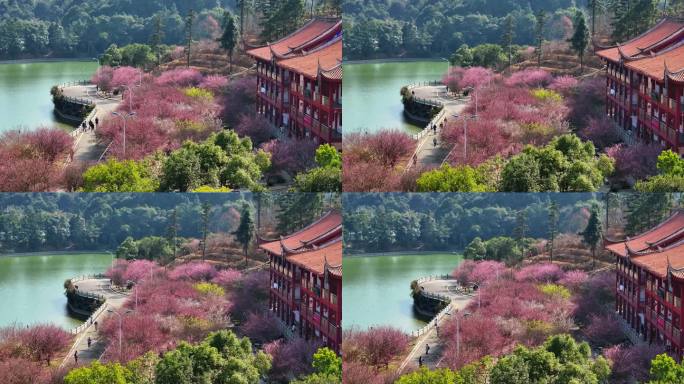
x: 297, y: 210
x: 229, y: 38
x: 245, y: 231
x: 520, y: 230
x: 206, y: 209
x: 540, y: 23
x: 189, y: 22
x: 157, y: 38
x: 553, y: 217
x: 646, y: 210
x: 172, y: 231
x: 593, y: 233
x: 593, y: 7
x: 508, y: 36
x: 580, y: 39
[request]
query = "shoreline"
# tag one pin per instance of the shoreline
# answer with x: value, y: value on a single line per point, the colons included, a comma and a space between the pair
x: 391, y: 60
x: 402, y: 253
x: 51, y: 253
x: 47, y: 60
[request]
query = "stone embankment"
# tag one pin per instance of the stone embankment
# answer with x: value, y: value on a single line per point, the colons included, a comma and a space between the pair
x: 446, y: 292
x: 430, y: 151
x: 94, y: 289
x: 86, y: 146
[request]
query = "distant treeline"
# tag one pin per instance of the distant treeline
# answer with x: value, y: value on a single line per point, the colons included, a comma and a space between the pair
x: 425, y: 221
x: 437, y: 28
x: 47, y: 222
x: 386, y: 222
x: 87, y: 28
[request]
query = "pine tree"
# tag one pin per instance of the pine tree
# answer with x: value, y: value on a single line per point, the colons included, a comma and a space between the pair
x: 172, y: 231
x: 593, y: 233
x: 245, y: 231
x: 157, y: 38
x: 229, y: 38
x: 206, y: 209
x: 508, y: 36
x: 189, y: 22
x: 580, y: 39
x: 553, y: 217
x: 593, y: 6
x: 241, y: 5
x: 539, y: 33
x: 646, y: 210
x: 520, y: 230
x: 297, y: 210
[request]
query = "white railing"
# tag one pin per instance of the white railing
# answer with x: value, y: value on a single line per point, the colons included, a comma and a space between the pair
x: 432, y: 322
x: 434, y: 277
x: 435, y: 296
x: 90, y: 320
x: 98, y: 311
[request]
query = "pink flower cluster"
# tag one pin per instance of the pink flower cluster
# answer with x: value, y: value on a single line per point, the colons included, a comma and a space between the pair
x: 509, y: 308
x: 166, y: 309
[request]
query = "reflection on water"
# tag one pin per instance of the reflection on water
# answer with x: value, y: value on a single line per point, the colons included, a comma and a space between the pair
x: 31, y: 287
x: 376, y: 290
x: 25, y: 100
x: 372, y: 99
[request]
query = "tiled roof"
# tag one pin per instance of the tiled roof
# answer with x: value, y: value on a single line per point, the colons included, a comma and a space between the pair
x: 329, y: 255
x: 333, y: 74
x: 654, y: 66
x: 328, y: 57
x: 321, y: 229
x: 657, y: 261
x: 651, y: 239
x: 311, y: 31
x: 661, y: 31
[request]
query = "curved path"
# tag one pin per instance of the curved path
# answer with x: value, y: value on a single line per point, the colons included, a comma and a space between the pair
x: 86, y: 147
x: 428, y: 154
x: 114, y: 300
x: 443, y: 287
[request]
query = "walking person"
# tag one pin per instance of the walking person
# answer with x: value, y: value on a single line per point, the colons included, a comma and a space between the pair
x: 97, y: 121
x: 420, y: 361
x: 427, y: 348
x: 96, y: 326
x: 415, y: 159
x: 76, y: 356
x: 90, y: 341
x: 434, y: 142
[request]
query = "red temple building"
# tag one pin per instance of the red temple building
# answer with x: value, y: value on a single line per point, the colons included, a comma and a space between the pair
x: 645, y: 85
x: 650, y: 282
x: 306, y: 280
x: 299, y: 81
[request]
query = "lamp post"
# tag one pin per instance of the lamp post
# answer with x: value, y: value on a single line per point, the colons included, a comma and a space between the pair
x: 448, y: 71
x: 465, y: 135
x: 111, y: 254
x: 135, y: 292
x: 124, y: 117
x: 458, y: 334
x: 120, y: 327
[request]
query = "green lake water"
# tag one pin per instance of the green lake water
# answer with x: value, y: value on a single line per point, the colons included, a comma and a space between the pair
x: 376, y: 289
x: 31, y: 287
x: 371, y: 93
x: 25, y: 100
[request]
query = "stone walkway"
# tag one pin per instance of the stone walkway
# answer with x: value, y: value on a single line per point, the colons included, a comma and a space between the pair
x: 86, y: 147
x: 428, y: 154
x: 115, y: 301
x: 459, y: 301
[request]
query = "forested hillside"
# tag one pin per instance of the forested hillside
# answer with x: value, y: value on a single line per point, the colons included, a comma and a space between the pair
x: 384, y: 222
x: 437, y: 28
x: 46, y: 222
x: 30, y: 28
x: 85, y: 28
